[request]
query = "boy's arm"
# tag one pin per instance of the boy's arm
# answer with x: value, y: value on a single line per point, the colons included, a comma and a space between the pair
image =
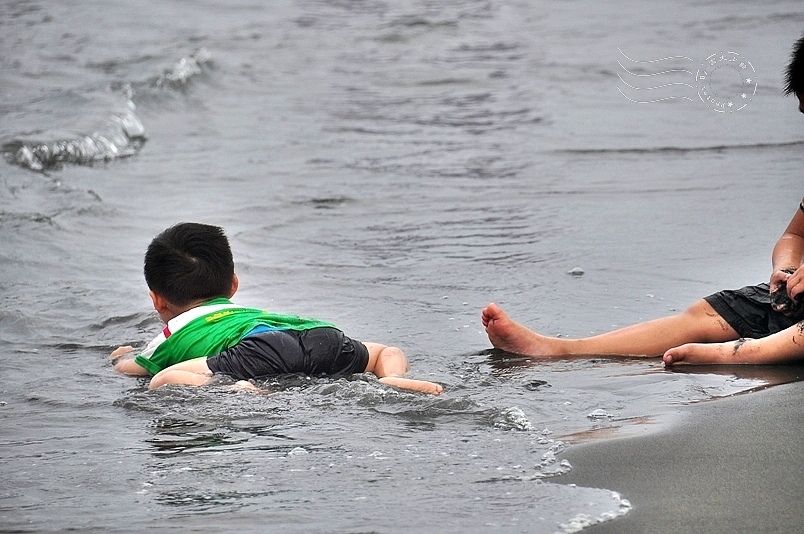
x: 125, y: 365
x: 788, y: 257
x: 128, y: 367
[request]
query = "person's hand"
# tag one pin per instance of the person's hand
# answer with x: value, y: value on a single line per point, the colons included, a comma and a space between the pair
x: 120, y: 352
x: 779, y: 277
x: 785, y: 287
x: 795, y: 284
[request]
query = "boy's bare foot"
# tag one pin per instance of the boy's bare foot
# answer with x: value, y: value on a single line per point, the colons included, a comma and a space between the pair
x: 510, y: 336
x: 420, y: 386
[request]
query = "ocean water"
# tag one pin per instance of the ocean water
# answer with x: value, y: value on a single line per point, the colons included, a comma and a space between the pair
x: 391, y: 167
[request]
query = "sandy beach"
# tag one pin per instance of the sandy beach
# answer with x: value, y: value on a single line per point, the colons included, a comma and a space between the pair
x: 731, y: 465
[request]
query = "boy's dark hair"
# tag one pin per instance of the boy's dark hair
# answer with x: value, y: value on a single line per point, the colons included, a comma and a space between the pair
x: 794, y: 79
x: 189, y: 262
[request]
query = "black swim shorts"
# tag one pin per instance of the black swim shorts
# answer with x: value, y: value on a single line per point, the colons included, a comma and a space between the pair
x: 748, y: 311
x: 315, y: 352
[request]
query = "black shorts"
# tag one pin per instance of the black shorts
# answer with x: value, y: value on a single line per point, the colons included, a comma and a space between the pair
x: 315, y: 352
x: 748, y: 311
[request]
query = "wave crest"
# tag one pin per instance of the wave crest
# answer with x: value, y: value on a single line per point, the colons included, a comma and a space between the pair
x: 122, y: 136
x: 119, y: 135
x: 185, y: 70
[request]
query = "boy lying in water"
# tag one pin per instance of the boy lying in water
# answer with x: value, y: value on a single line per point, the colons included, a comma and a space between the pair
x: 190, y: 273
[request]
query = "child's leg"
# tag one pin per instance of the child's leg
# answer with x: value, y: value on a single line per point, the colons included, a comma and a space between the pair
x: 191, y: 372
x: 698, y: 323
x: 390, y: 364
x: 781, y: 347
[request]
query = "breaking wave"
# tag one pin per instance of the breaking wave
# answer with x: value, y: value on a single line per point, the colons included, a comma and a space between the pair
x: 121, y: 134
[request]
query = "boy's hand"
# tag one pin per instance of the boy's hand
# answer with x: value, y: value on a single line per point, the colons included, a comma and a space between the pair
x: 120, y: 352
x: 127, y: 366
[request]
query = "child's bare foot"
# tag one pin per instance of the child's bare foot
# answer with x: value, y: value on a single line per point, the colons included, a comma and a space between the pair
x: 513, y: 337
x: 420, y: 386
x: 713, y: 353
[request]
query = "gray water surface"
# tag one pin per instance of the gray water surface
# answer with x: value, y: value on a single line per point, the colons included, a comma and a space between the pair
x: 391, y: 167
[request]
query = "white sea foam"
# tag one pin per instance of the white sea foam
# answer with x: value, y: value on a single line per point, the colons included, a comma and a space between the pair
x: 584, y: 520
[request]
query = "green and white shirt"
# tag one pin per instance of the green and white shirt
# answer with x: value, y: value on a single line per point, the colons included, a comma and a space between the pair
x: 210, y: 328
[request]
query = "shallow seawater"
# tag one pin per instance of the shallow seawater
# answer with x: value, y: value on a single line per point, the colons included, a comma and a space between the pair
x: 391, y: 167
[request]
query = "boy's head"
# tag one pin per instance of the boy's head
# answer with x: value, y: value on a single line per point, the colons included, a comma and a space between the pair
x: 794, y: 79
x: 188, y: 263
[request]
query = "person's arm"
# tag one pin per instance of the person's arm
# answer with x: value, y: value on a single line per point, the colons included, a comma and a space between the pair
x: 788, y: 257
x: 127, y: 365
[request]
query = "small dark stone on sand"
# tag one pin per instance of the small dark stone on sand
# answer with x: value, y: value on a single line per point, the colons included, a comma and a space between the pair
x: 536, y: 384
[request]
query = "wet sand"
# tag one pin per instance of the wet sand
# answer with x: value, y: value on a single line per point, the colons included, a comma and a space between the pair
x: 730, y: 465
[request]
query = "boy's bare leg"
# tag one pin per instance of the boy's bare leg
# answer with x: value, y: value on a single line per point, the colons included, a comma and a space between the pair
x: 699, y: 323
x: 390, y: 364
x: 194, y: 372
x: 784, y: 346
